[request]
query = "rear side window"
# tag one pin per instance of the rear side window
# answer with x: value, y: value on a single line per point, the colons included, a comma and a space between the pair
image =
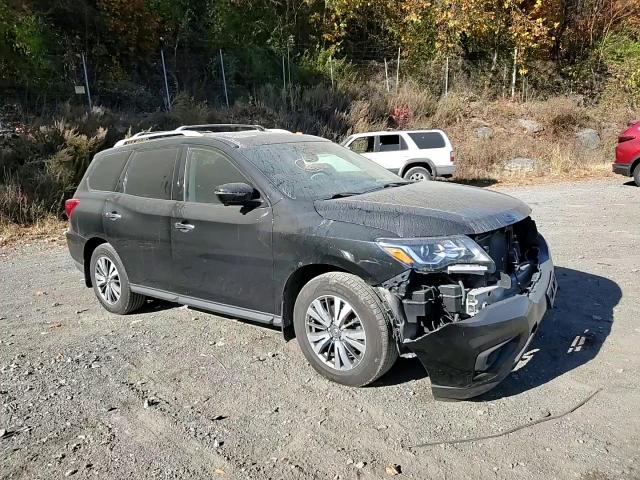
x: 428, y: 140
x: 150, y: 173
x: 391, y: 143
x: 363, y: 145
x: 206, y: 170
x: 105, y: 171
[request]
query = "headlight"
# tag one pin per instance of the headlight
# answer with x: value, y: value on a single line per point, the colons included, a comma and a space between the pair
x: 436, y: 253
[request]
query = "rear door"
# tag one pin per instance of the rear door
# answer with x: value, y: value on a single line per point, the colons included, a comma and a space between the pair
x: 221, y: 253
x: 137, y: 216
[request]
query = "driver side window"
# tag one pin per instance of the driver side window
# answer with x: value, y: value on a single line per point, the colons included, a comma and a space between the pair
x: 205, y: 170
x: 363, y: 145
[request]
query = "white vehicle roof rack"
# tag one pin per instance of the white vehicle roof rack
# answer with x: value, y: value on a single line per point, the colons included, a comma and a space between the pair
x: 142, y: 137
x: 221, y: 127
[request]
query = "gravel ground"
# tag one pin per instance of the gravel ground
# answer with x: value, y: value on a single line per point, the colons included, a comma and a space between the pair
x: 177, y: 393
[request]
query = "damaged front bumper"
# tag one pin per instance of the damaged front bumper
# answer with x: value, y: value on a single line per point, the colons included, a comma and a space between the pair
x: 471, y: 356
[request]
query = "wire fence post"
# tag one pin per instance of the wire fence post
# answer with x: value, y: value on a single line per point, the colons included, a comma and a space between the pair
x: 446, y: 77
x: 513, y: 74
x: 288, y: 64
x: 331, y: 70
x: 86, y: 82
x: 224, y: 80
x: 398, y: 71
x: 166, y: 83
x: 386, y: 74
x: 284, y: 77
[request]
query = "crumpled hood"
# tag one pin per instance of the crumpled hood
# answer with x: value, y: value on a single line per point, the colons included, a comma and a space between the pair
x: 427, y: 209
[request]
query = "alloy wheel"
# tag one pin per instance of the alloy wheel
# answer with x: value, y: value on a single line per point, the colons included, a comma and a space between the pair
x: 107, y: 280
x: 417, y: 177
x: 335, y: 332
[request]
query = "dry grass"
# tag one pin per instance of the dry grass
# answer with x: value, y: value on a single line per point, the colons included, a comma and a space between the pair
x: 48, y: 230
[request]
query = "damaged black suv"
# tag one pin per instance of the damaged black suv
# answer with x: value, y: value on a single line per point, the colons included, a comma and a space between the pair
x: 296, y: 231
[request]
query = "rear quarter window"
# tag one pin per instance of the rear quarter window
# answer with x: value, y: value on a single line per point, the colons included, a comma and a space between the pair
x: 105, y: 171
x: 425, y: 140
x: 150, y: 173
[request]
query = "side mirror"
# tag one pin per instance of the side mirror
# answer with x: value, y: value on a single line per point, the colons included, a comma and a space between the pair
x: 235, y: 193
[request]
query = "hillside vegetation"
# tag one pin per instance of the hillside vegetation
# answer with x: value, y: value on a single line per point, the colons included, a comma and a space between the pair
x: 548, y: 83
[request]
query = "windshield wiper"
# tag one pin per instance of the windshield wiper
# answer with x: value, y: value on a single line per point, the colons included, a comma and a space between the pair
x: 343, y: 194
x: 377, y: 187
x: 395, y: 184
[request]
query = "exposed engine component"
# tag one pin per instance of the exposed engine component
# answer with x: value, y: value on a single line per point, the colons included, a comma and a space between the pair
x: 478, y: 298
x: 453, y: 297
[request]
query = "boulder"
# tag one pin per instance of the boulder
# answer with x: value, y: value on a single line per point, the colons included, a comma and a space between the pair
x: 588, y: 138
x: 520, y: 164
x: 484, y: 132
x: 530, y: 126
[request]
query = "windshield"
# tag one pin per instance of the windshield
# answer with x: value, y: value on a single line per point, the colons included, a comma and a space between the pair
x: 318, y: 170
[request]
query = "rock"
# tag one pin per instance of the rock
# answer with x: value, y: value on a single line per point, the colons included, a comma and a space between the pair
x: 392, y: 469
x: 150, y: 402
x: 530, y: 126
x: 484, y: 133
x: 520, y: 164
x: 217, y: 443
x: 3, y: 432
x: 360, y: 464
x: 70, y: 472
x: 588, y: 138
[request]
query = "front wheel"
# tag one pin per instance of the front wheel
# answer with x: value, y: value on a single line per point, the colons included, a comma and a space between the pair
x: 418, y: 174
x: 342, y: 329
x: 636, y: 175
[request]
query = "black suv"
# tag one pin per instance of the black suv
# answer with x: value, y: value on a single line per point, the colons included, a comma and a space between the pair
x: 296, y: 231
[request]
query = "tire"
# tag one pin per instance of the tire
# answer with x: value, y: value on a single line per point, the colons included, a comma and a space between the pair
x: 127, y: 301
x: 418, y: 173
x: 636, y: 175
x: 380, y: 350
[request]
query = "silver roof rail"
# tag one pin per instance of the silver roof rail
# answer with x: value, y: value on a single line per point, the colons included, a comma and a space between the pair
x: 221, y: 127
x: 137, y: 138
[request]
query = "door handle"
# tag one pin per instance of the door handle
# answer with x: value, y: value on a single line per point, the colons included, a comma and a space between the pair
x: 113, y: 216
x: 184, y: 227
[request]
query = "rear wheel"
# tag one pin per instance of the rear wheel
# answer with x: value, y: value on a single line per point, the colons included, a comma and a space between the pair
x: 342, y: 329
x: 418, y: 174
x: 636, y: 175
x: 111, y: 283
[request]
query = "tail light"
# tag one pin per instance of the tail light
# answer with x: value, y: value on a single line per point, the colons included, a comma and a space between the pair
x: 70, y: 205
x: 452, y: 156
x: 625, y: 138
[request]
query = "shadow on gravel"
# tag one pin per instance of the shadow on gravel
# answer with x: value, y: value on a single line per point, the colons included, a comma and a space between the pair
x: 630, y: 184
x: 156, y: 305
x: 570, y: 335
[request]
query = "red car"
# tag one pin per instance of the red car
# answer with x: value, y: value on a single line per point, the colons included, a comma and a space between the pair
x: 628, y: 152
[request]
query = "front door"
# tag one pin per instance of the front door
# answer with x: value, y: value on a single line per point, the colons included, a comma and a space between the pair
x: 221, y: 253
x: 136, y: 218
x: 390, y: 152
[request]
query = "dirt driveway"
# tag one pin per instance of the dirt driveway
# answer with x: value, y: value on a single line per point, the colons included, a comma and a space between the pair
x: 177, y: 393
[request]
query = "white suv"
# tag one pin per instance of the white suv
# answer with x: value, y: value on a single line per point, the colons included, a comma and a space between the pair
x: 412, y: 154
